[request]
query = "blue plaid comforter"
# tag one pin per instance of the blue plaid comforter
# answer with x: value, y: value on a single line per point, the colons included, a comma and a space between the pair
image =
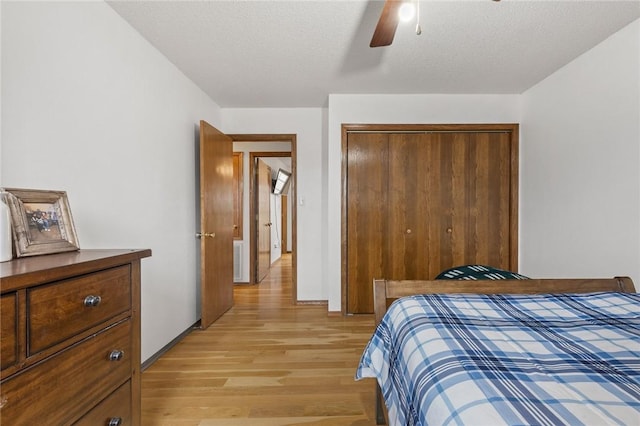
x: 509, y: 359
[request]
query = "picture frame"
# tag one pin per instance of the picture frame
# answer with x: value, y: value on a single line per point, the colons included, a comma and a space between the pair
x: 41, y: 221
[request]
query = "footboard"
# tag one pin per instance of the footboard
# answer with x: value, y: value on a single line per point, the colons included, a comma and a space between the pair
x: 386, y: 291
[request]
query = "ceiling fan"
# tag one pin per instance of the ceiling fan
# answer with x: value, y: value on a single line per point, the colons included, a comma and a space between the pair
x: 388, y: 23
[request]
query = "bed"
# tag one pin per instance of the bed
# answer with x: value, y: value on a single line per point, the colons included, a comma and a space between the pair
x: 512, y: 351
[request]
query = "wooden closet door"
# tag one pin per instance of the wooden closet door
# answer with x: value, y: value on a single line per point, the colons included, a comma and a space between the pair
x: 425, y: 199
x: 449, y: 199
x: 413, y: 188
x: 481, y: 200
x: 366, y: 204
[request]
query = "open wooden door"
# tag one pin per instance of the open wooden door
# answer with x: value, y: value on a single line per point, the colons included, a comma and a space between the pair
x: 284, y: 213
x: 216, y: 223
x: 263, y: 215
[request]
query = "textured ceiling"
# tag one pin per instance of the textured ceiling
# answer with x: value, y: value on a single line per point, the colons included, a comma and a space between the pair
x: 276, y: 53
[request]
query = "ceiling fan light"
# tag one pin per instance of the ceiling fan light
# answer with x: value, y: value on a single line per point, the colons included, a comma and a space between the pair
x: 407, y: 11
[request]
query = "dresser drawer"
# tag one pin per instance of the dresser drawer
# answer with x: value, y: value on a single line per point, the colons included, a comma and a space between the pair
x: 63, y: 309
x: 116, y: 407
x: 8, y: 330
x: 61, y: 389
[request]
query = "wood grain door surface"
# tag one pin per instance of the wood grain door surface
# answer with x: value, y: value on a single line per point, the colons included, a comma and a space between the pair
x: 263, y: 244
x: 237, y: 195
x: 284, y: 209
x: 367, y: 200
x: 448, y: 202
x: 216, y: 223
x: 419, y: 203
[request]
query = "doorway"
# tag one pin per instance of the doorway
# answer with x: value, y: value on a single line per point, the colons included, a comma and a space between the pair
x: 263, y: 142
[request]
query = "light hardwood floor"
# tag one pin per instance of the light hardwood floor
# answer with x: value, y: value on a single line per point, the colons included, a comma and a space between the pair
x: 266, y: 362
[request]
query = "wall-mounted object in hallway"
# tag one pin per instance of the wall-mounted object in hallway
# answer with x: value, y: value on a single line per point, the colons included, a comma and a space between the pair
x: 281, y: 183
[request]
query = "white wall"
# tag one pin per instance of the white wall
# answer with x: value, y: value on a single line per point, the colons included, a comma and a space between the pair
x: 580, y: 174
x: 394, y: 109
x: 1, y: 96
x: 91, y: 108
x: 308, y: 125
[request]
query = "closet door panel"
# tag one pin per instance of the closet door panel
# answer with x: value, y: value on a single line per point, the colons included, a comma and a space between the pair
x: 480, y: 201
x: 448, y: 191
x: 414, y: 206
x: 366, y: 217
x: 494, y: 206
x: 452, y: 187
x: 449, y: 202
x: 462, y: 206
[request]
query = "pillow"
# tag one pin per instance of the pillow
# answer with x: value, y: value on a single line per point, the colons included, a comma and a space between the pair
x: 478, y: 272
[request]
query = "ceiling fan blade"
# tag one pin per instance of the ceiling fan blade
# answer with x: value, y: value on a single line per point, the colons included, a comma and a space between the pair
x: 387, y: 24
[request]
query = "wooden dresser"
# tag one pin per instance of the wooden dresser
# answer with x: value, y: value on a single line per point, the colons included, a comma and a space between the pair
x: 70, y: 339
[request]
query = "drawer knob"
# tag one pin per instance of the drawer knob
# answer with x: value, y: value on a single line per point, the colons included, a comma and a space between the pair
x: 116, y: 355
x: 115, y: 421
x: 92, y: 301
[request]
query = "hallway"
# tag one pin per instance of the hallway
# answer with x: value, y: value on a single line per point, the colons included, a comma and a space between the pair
x: 266, y: 362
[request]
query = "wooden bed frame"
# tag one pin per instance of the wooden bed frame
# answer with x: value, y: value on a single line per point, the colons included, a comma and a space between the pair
x: 386, y: 291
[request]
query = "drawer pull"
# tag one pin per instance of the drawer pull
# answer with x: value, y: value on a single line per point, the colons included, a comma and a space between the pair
x: 115, y: 421
x: 92, y: 301
x: 116, y: 355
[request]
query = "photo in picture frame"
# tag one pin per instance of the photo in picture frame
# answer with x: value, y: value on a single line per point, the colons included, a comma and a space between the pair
x: 41, y: 221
